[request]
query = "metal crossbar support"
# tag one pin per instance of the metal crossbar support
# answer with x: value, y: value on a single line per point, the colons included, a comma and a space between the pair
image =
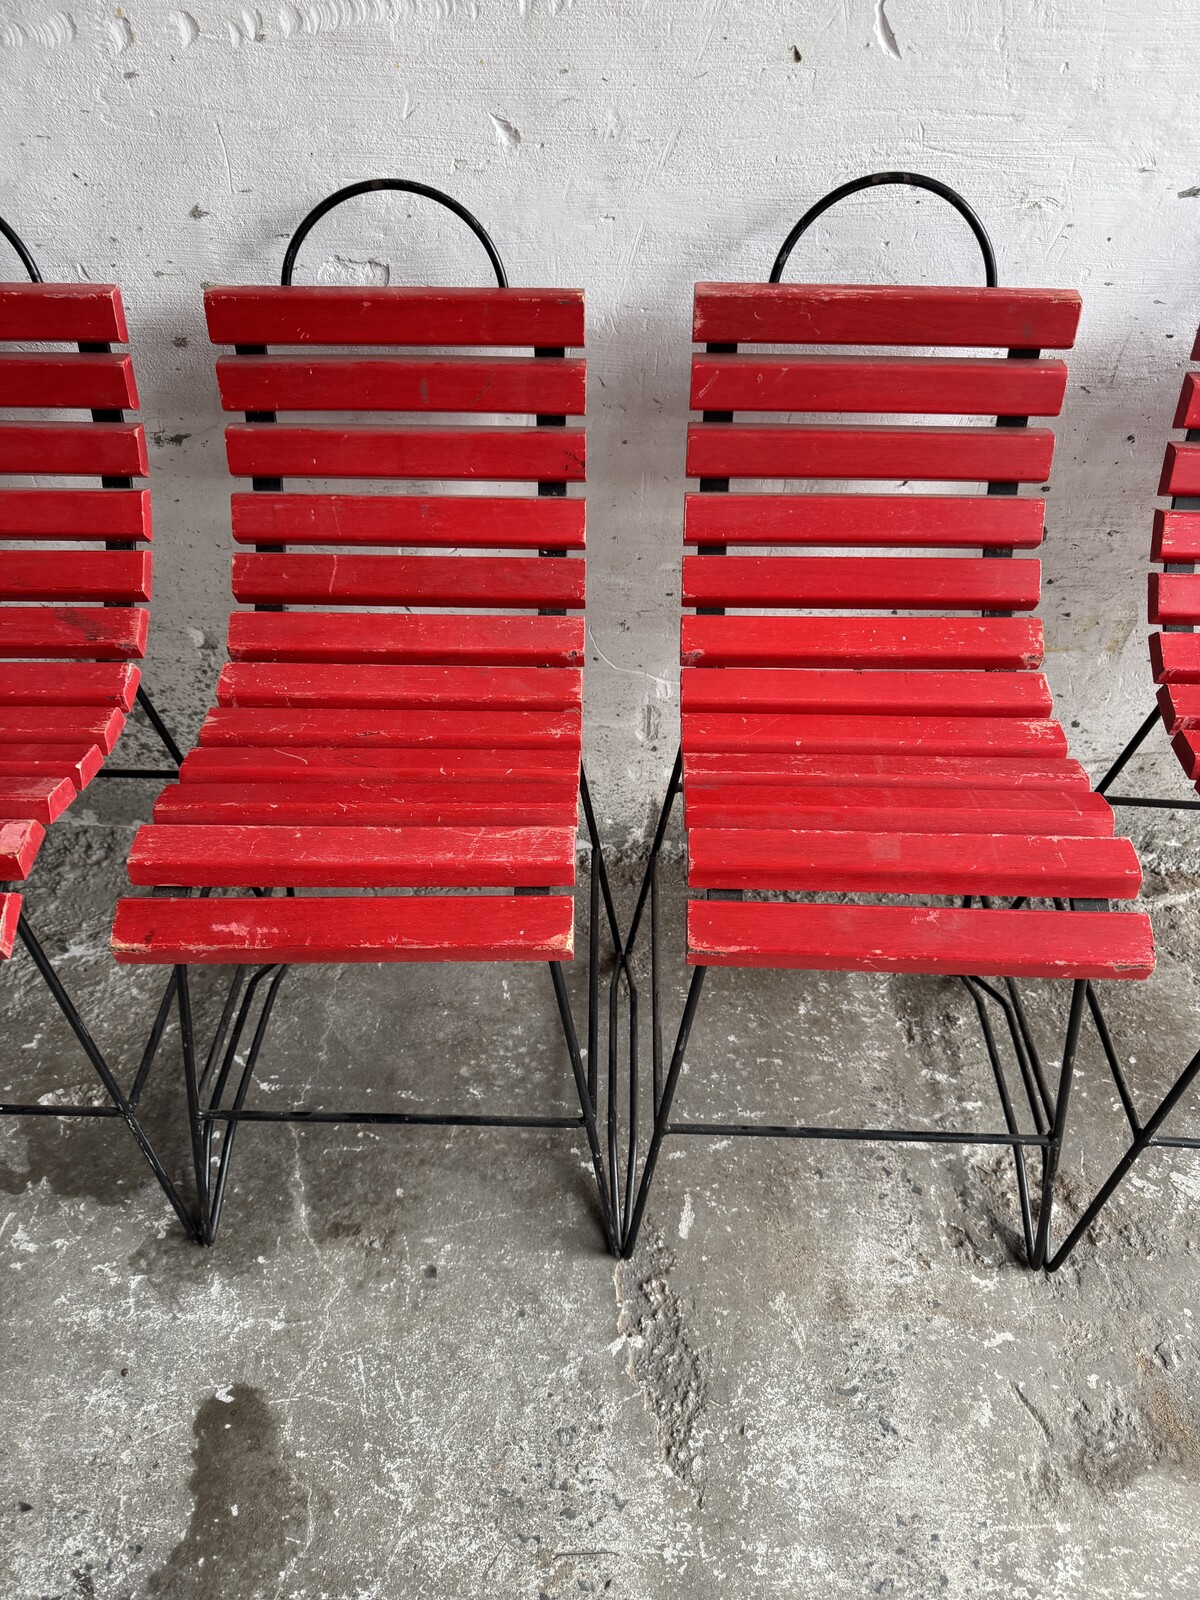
x: 120, y: 1105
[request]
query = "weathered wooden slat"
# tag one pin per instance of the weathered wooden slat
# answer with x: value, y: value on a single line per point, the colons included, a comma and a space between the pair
x: 1179, y: 705
x: 1181, y: 469
x: 483, y: 764
x: 19, y: 844
x: 68, y: 683
x: 38, y: 799
x: 948, y: 522
x: 70, y: 313
x: 1187, y: 413
x: 10, y: 912
x: 353, y: 857
x: 738, y: 641
x: 545, y: 800
x: 392, y: 928
x: 955, y: 455
x: 397, y: 729
x: 922, y: 385
x: 402, y: 383
x: 801, y: 313
x: 1175, y: 657
x: 997, y: 944
x: 927, y: 863
x: 852, y: 583
x: 863, y: 811
x: 812, y: 735
x: 462, y: 640
x: 117, y: 575
x: 395, y: 316
x: 369, y: 688
x: 75, y: 514
x: 456, y: 522
x: 894, y: 769
x: 79, y: 633
x: 79, y: 762
x: 24, y: 725
x: 1174, y: 597
x: 74, y: 449
x: 516, y: 455
x: 1176, y: 536
x: 525, y: 583
x: 855, y: 693
x: 90, y: 382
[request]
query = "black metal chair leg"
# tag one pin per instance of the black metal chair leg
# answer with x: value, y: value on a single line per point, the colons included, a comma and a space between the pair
x: 1052, y: 1153
x: 589, y: 1116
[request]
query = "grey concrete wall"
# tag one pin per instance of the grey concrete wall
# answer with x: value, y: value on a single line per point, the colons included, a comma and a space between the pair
x: 630, y: 148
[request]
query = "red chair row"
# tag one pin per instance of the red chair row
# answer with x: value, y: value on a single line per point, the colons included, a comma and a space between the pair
x: 872, y: 776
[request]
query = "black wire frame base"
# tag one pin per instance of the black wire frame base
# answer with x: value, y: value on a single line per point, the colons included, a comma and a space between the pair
x: 121, y: 1106
x: 1047, y: 1107
x: 219, y: 1086
x: 165, y: 738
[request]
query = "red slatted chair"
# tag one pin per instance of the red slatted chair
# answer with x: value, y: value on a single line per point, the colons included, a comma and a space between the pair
x: 74, y: 579
x: 1174, y: 609
x: 899, y: 744
x: 387, y: 722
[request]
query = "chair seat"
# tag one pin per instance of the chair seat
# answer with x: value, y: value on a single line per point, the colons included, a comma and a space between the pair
x: 928, y: 940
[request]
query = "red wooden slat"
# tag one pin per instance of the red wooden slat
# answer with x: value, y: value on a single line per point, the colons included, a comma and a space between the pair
x: 398, y: 729
x: 10, y: 911
x: 353, y: 857
x: 1181, y: 470
x: 19, y: 844
x: 296, y: 764
x: 739, y: 641
x: 912, y: 863
x: 526, y: 583
x: 79, y: 762
x: 397, y: 316
x: 1187, y: 747
x: 852, y: 693
x: 895, y: 770
x: 41, y: 800
x: 1179, y: 704
x: 68, y: 683
x: 465, y: 640
x: 409, y: 928
x: 74, y: 449
x: 75, y: 514
x: 977, y: 455
x: 1175, y: 657
x: 905, y: 808
x: 60, y: 725
x: 852, y: 583
x: 1174, y: 597
x: 1000, y: 944
x: 496, y: 522
x: 961, y: 522
x: 1196, y: 348
x: 402, y: 383
x: 1176, y: 536
x: 518, y: 455
x: 801, y: 313
x: 935, y: 736
x: 399, y: 688
x: 544, y: 800
x: 1187, y: 413
x: 121, y: 575
x: 73, y: 313
x: 916, y: 385
x: 82, y: 633
x: 91, y: 382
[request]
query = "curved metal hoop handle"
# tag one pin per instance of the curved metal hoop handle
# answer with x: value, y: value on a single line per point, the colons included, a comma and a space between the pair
x: 912, y: 180
x: 22, y: 250
x: 403, y: 186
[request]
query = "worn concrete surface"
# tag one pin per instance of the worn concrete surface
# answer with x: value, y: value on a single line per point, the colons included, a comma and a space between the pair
x: 409, y: 1369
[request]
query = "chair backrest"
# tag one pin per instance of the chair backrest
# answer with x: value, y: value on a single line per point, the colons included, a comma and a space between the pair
x: 926, y: 375
x: 392, y: 361
x: 63, y: 602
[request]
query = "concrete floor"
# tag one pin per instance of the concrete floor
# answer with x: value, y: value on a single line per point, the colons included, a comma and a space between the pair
x: 409, y: 1368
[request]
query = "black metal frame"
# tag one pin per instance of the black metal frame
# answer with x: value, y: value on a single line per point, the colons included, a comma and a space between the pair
x: 1047, y: 1109
x: 122, y: 1105
x: 218, y: 1089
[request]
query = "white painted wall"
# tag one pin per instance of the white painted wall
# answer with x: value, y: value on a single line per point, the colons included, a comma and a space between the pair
x: 630, y: 148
